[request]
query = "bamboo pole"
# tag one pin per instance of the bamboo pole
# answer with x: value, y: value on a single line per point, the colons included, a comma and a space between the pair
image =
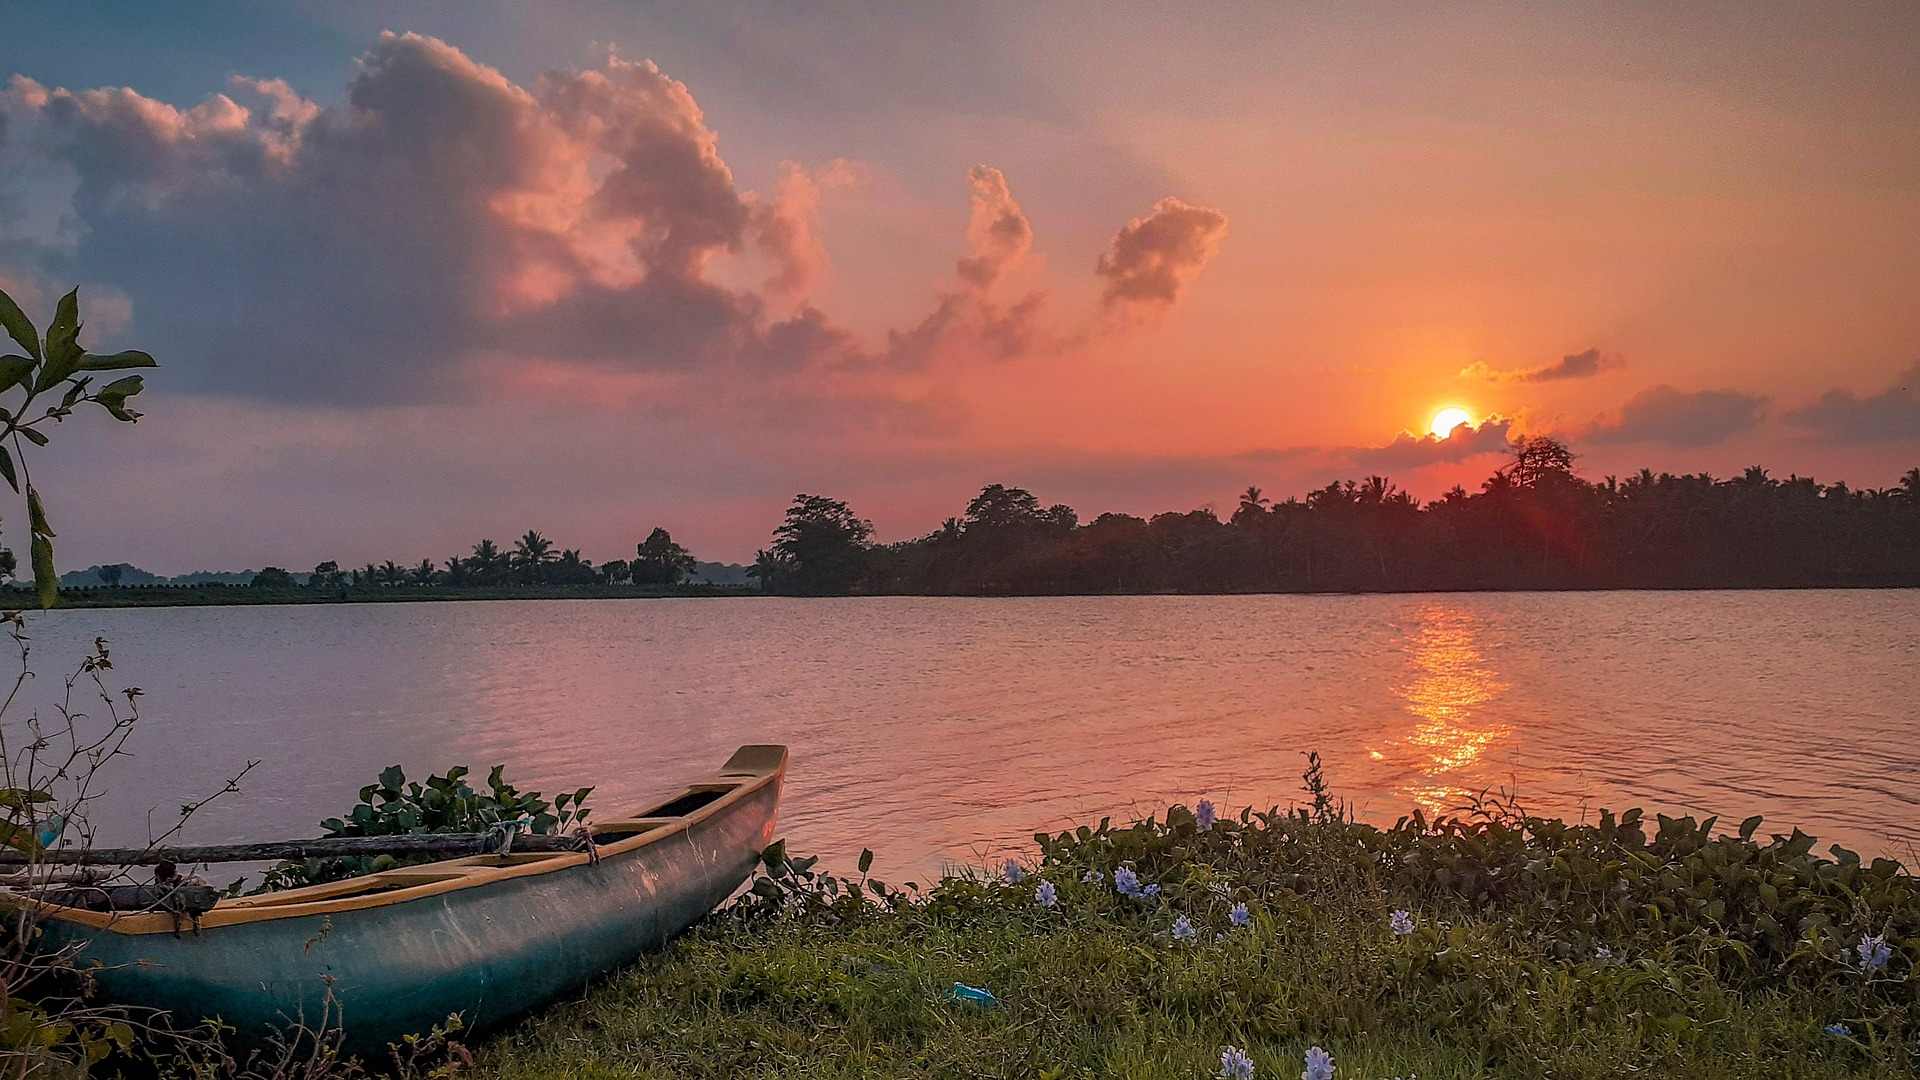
x: 448, y: 845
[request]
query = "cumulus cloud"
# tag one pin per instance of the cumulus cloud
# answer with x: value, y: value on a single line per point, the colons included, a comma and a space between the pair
x: 1843, y: 416
x: 395, y: 245
x: 788, y: 224
x: 1151, y: 258
x: 1494, y: 435
x: 969, y: 321
x: 998, y: 232
x: 1578, y: 365
x: 1663, y: 414
x: 361, y: 250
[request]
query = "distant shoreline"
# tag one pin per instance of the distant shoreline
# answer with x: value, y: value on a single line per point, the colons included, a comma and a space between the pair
x: 136, y: 596
x: 129, y: 596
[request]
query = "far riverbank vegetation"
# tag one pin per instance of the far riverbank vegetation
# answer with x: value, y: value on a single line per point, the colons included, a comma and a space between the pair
x: 1534, y: 524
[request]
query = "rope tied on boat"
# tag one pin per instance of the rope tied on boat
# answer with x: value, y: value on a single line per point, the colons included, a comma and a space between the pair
x: 585, y: 836
x: 504, y: 832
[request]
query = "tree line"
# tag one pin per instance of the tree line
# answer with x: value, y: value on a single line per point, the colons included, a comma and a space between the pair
x: 533, y: 560
x: 1533, y: 524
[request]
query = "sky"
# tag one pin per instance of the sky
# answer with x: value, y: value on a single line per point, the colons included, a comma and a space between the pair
x: 421, y: 274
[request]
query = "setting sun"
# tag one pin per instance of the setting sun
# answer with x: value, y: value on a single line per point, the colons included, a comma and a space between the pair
x: 1449, y: 418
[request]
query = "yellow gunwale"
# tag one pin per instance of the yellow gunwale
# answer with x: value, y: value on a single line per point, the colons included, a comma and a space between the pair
x: 750, y: 769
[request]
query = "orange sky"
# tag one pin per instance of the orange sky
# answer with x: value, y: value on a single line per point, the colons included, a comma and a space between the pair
x: 1720, y: 202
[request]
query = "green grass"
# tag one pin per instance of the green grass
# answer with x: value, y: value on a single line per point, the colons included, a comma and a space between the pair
x: 1732, y: 956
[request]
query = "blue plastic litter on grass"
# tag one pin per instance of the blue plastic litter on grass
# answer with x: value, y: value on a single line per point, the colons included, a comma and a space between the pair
x: 972, y: 995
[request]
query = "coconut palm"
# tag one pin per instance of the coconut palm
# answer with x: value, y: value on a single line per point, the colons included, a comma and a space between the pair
x: 531, y: 555
x: 488, y: 563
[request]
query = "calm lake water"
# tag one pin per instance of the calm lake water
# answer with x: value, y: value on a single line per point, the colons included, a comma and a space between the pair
x: 953, y: 729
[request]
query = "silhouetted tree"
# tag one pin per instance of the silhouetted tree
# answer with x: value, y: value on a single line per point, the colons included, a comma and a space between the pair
x: 272, y: 577
x: 531, y: 554
x: 657, y: 560
x: 110, y: 575
x: 821, y: 547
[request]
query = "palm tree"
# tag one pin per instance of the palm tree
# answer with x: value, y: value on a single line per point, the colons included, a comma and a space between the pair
x: 1910, y: 483
x: 531, y: 554
x: 487, y: 562
x: 391, y: 573
x: 423, y: 574
x: 571, y: 569
x: 456, y: 571
x: 1253, y: 504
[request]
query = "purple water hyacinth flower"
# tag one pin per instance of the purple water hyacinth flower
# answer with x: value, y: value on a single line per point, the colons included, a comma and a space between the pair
x: 1126, y: 882
x: 1183, y: 929
x: 1319, y: 1065
x: 1401, y: 923
x: 1046, y: 895
x: 1147, y: 892
x: 1203, y: 813
x: 1874, y: 952
x: 1839, y: 1031
x: 1240, y: 916
x: 1235, y: 1064
x: 1091, y: 877
x: 1013, y: 871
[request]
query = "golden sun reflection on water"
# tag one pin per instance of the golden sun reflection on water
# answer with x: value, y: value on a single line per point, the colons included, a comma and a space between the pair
x: 1450, y: 683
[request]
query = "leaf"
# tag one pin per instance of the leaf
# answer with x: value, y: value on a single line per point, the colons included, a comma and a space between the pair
x: 113, y: 396
x: 866, y: 859
x: 45, y: 581
x: 1749, y: 826
x: 14, y: 370
x: 19, y: 327
x: 6, y: 469
x: 37, y: 514
x: 33, y: 436
x: 63, y: 346
x: 119, y: 361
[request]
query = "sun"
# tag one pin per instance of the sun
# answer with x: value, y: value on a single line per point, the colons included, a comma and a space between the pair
x: 1449, y: 418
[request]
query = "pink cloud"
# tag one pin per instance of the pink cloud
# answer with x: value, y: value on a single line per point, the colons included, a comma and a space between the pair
x: 1153, y: 257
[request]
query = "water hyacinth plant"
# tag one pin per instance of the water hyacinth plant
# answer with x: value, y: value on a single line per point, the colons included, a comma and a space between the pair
x: 1013, y: 872
x: 1204, y: 814
x: 1319, y: 1065
x: 1183, y: 929
x: 1235, y: 1064
x: 1240, y: 916
x: 1401, y: 923
x: 1046, y: 895
x: 1874, y: 952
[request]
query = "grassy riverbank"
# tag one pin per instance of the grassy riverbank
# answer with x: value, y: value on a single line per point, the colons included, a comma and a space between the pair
x: 1530, y: 948
x: 244, y: 595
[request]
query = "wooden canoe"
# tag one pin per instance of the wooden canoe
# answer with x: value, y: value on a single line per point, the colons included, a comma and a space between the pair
x: 487, y: 937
